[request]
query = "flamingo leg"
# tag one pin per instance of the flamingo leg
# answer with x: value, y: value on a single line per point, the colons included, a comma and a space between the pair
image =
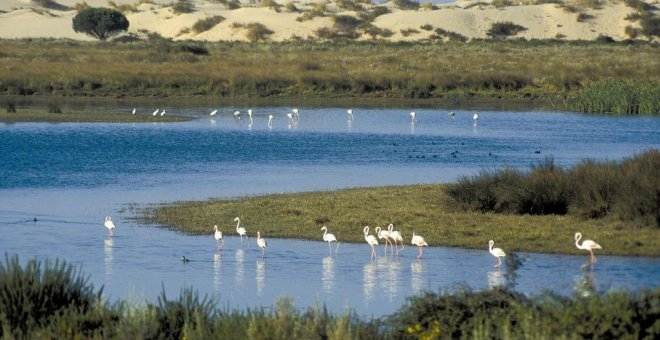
x: 420, y: 252
x: 222, y: 244
x: 329, y: 247
x: 336, y: 248
x: 373, y: 252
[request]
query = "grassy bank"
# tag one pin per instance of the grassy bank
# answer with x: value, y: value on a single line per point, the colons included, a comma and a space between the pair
x: 78, y: 116
x: 548, y: 70
x: 42, y: 300
x: 423, y: 209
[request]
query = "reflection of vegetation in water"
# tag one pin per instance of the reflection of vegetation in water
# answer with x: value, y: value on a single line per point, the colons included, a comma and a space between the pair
x: 53, y: 301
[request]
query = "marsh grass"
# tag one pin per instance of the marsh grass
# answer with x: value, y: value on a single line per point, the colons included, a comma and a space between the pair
x: 488, y: 69
x: 424, y: 209
x: 71, y: 115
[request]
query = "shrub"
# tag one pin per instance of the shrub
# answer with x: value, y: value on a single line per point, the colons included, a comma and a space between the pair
x: 504, y: 29
x: 100, y: 23
x: 35, y: 295
x: 408, y: 31
x: 183, y: 6
x: 406, y: 4
x: 203, y: 25
x: 10, y: 106
x: 54, y: 108
x: 271, y: 4
x: 426, y: 27
x: 632, y: 32
x: 291, y: 7
x: 650, y: 26
x: 257, y: 32
x: 80, y: 6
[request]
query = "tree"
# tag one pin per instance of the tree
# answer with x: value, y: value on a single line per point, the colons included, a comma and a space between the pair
x: 100, y: 23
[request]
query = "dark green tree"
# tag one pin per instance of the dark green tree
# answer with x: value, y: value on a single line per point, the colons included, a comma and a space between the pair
x: 100, y: 23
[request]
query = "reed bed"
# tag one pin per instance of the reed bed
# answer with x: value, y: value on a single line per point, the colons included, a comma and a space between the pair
x: 46, y: 300
x: 506, y: 69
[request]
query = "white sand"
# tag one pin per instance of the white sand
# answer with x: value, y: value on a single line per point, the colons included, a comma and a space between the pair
x: 26, y: 19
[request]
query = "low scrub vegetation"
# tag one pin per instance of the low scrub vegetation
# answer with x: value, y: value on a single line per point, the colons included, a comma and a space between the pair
x: 619, y: 97
x: 627, y: 191
x: 500, y: 30
x: 203, y: 25
x: 162, y: 67
x: 54, y: 301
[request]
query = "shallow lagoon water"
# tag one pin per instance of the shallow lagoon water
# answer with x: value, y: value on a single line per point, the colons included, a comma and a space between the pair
x: 71, y: 175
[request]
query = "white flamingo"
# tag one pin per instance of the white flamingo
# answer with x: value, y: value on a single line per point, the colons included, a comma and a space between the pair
x: 110, y: 225
x: 384, y: 234
x: 162, y: 113
x: 213, y: 113
x: 497, y: 252
x: 296, y: 113
x: 261, y: 243
x: 371, y: 240
x: 270, y: 121
x: 475, y: 118
x: 452, y: 115
x: 396, y: 236
x: 349, y: 112
x: 134, y: 110
x: 218, y: 237
x: 587, y: 245
x: 413, y: 117
x: 250, y: 115
x: 329, y: 238
x: 237, y: 114
x: 290, y: 116
x: 240, y: 230
x: 419, y: 242
x: 155, y: 113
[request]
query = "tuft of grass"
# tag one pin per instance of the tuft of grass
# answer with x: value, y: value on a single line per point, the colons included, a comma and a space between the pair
x: 182, y: 7
x: 503, y: 29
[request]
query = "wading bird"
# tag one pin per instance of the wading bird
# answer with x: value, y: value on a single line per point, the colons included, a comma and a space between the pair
x: 162, y: 113
x: 371, y: 240
x: 155, y: 113
x: 218, y: 237
x: 384, y: 234
x: 184, y: 259
x: 419, y: 242
x: 413, y: 117
x: 240, y: 230
x: 497, y: 252
x: 108, y: 224
x: 237, y: 114
x: 349, y: 112
x: 329, y: 238
x: 261, y: 243
x: 296, y: 113
x: 250, y: 115
x: 587, y: 245
x: 290, y: 116
x: 452, y: 115
x: 475, y: 118
x: 396, y: 236
x: 134, y: 110
x: 270, y: 121
x: 213, y: 113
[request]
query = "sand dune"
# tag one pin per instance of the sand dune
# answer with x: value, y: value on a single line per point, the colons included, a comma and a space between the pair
x: 29, y: 19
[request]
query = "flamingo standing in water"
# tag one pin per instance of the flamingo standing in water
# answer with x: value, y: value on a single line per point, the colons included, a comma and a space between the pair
x: 296, y: 113
x: 261, y: 243
x: 396, y: 236
x: 213, y: 113
x: 218, y: 237
x: 452, y: 115
x: 587, y: 245
x: 329, y: 238
x: 134, y: 110
x: 240, y: 230
x: 162, y: 113
x: 109, y: 224
x: 290, y: 116
x: 270, y: 121
x: 384, y: 234
x: 155, y: 113
x: 250, y: 115
x: 419, y: 242
x: 237, y: 114
x: 413, y: 117
x: 349, y: 112
x: 475, y: 117
x: 371, y: 240
x: 497, y: 252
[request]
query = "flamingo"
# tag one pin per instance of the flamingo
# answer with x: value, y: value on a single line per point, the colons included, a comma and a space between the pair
x: 371, y: 240
x: 162, y: 113
x: 396, y: 236
x: 349, y: 112
x: 237, y: 114
x: 155, y: 113
x: 475, y: 117
x: 497, y: 252
x: 270, y: 121
x: 213, y: 113
x: 109, y: 224
x: 452, y: 115
x: 295, y: 112
x: 587, y: 245
x: 329, y: 238
x: 413, y: 117
x: 384, y: 234
x: 250, y: 115
x: 290, y: 116
x: 134, y: 110
x: 218, y: 237
x: 419, y: 242
x: 261, y: 243
x: 240, y: 230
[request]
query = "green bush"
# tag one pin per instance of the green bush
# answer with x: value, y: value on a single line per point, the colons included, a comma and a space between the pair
x: 100, y: 23
x: 628, y: 190
x: 257, y: 32
x: 182, y: 7
x: 406, y: 4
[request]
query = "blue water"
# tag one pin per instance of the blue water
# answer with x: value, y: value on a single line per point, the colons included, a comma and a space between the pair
x: 70, y: 175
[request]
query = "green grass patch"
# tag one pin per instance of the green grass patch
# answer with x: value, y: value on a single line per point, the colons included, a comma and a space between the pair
x: 424, y: 209
x: 81, y: 116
